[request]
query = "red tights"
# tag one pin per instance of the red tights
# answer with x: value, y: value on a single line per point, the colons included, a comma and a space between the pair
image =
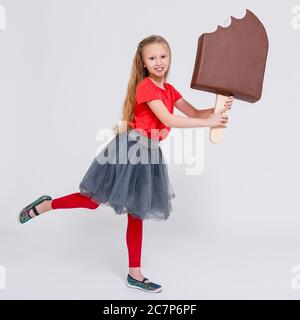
x: 134, y: 233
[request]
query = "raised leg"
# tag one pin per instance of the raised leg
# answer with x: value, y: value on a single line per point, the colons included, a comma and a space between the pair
x: 73, y: 200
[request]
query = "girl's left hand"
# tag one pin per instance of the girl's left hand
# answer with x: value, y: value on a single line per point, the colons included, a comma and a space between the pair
x: 229, y: 102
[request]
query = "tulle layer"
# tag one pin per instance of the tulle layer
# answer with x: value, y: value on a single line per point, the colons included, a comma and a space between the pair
x: 131, y: 176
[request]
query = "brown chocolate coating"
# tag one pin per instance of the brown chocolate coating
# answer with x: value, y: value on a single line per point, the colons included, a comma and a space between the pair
x: 232, y: 60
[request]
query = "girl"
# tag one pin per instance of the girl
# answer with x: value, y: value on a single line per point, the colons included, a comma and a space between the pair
x: 117, y: 177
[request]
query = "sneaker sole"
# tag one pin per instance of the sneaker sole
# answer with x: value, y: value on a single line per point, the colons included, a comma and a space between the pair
x: 150, y: 291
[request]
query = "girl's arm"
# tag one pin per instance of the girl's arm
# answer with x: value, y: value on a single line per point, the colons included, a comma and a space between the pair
x: 186, y: 108
x: 175, y: 121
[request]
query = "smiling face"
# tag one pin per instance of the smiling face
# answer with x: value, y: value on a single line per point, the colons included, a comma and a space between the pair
x: 156, y: 58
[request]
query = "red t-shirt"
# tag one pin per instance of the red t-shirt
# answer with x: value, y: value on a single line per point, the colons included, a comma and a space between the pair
x: 144, y: 118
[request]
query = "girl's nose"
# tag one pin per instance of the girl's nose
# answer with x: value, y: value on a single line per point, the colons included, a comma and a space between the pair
x: 159, y: 62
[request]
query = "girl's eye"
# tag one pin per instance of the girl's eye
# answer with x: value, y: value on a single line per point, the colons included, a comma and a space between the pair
x: 161, y: 56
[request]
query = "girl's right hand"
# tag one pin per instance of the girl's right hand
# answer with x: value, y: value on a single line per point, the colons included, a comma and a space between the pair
x: 217, y: 119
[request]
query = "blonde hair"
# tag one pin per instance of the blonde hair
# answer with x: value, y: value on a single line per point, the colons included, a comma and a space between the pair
x: 138, y: 73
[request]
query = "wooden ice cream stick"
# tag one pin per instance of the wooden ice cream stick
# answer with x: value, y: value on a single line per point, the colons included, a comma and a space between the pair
x: 216, y: 134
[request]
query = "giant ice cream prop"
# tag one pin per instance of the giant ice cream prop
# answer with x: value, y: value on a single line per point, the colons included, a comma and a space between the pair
x: 231, y: 61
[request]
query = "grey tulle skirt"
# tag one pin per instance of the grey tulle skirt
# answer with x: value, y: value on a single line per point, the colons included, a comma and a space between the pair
x: 130, y: 175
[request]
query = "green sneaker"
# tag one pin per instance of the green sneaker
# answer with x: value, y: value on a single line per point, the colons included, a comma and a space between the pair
x: 142, y: 285
x: 24, y: 216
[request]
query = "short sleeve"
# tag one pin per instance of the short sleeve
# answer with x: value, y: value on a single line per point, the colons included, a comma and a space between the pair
x: 145, y: 92
x: 177, y: 94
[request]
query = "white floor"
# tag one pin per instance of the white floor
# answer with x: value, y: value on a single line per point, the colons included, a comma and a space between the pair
x: 191, y: 263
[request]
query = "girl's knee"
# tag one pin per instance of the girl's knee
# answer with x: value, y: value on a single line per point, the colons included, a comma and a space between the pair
x: 93, y: 205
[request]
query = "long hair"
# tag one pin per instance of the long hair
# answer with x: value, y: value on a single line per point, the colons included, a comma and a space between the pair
x: 138, y: 73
